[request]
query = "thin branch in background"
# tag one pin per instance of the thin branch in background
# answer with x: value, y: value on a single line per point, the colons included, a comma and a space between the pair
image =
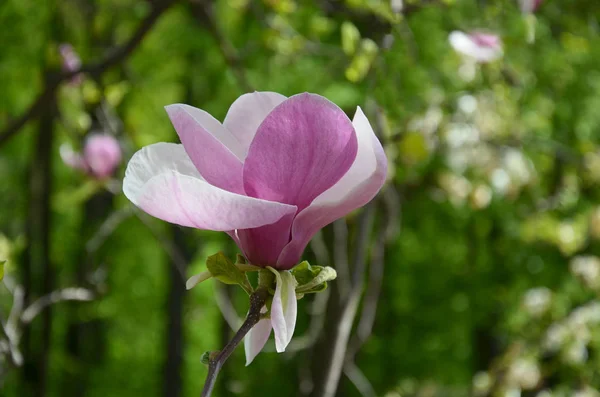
x: 171, y: 249
x: 107, y: 228
x: 358, y: 379
x: 319, y: 249
x: 330, y: 376
x: 226, y: 307
x: 204, y: 13
x: 340, y: 253
x: 66, y: 294
x: 114, y: 57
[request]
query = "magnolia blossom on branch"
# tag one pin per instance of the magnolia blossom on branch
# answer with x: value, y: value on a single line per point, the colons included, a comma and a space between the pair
x: 271, y: 175
x: 478, y: 46
x: 100, y: 158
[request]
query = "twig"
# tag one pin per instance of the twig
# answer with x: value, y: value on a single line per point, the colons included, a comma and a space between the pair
x: 319, y: 248
x: 359, y: 379
x: 95, y: 68
x: 226, y: 307
x: 67, y: 294
x: 329, y: 380
x: 171, y: 249
x: 257, y: 301
x: 205, y: 16
x: 106, y: 229
x: 340, y: 252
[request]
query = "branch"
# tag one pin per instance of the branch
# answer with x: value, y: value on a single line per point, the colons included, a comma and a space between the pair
x: 95, y: 68
x: 67, y: 294
x: 340, y: 253
x: 257, y: 301
x: 205, y: 16
x: 171, y: 249
x: 359, y: 379
x: 226, y: 307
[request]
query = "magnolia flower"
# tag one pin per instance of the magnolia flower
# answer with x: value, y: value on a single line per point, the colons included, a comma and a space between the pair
x: 529, y: 6
x: 101, y: 156
x: 481, y: 47
x: 271, y: 175
x: 70, y: 61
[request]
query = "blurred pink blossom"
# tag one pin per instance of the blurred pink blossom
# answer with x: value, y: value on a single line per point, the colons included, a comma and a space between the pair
x: 481, y: 47
x: 101, y: 156
x: 70, y: 61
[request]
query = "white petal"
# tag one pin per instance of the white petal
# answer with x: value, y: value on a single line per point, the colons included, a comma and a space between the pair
x: 153, y: 160
x: 255, y: 340
x: 248, y: 112
x: 356, y: 188
x: 162, y: 181
x: 284, y: 309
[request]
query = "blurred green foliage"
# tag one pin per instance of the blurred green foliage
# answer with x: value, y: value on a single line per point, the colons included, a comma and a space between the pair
x: 491, y: 285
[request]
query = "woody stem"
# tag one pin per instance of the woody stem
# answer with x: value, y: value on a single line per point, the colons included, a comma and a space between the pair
x: 257, y: 301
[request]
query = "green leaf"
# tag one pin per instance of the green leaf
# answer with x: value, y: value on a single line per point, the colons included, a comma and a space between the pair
x: 197, y: 279
x: 224, y: 270
x: 240, y: 260
x: 305, y: 273
x: 319, y: 281
x: 319, y: 288
x: 2, y: 269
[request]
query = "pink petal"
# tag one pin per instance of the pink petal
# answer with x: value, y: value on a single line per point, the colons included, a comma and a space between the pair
x: 255, y: 340
x: 71, y: 158
x: 262, y: 246
x: 162, y: 181
x: 479, y: 46
x: 102, y: 154
x: 214, y: 151
x: 303, y: 147
x: 248, y: 112
x: 284, y: 309
x: 356, y: 188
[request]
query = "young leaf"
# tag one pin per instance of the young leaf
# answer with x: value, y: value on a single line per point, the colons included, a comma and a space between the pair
x: 2, y: 269
x: 318, y: 283
x: 197, y: 279
x: 224, y: 270
x: 305, y: 273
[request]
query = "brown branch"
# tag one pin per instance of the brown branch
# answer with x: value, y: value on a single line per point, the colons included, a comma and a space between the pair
x: 257, y: 301
x: 204, y: 14
x: 114, y: 57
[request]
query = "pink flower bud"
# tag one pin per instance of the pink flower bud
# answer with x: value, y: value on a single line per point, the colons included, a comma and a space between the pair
x: 71, y: 61
x: 101, y: 156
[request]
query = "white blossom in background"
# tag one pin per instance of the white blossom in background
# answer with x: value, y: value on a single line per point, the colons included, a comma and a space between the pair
x: 586, y: 392
x: 500, y: 180
x: 478, y: 46
x: 397, y: 6
x: 576, y: 353
x: 524, y: 373
x: 587, y: 268
x: 537, y: 301
x: 518, y: 166
x: 481, y: 196
x: 467, y: 104
x: 555, y: 337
